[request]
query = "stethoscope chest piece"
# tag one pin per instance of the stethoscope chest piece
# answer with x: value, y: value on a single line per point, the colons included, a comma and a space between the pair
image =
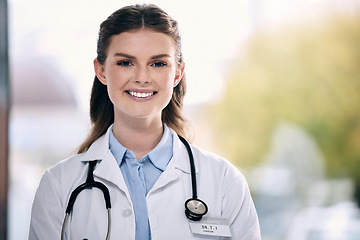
x: 195, y: 209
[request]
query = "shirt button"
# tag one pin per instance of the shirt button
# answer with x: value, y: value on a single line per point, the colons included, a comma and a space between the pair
x: 127, y: 213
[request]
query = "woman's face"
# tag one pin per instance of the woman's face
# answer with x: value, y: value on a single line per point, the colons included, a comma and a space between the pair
x: 140, y: 72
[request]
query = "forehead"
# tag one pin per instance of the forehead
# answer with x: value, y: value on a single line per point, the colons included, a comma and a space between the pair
x: 142, y: 42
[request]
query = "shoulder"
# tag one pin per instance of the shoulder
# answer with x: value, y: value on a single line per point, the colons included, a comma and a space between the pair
x: 72, y: 166
x: 61, y: 170
x: 213, y: 166
x: 213, y: 160
x: 57, y: 181
x: 205, y: 161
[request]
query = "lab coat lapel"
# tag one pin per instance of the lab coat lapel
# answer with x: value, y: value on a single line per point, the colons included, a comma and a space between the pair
x: 170, y: 174
x: 107, y: 168
x: 181, y: 156
x: 179, y: 163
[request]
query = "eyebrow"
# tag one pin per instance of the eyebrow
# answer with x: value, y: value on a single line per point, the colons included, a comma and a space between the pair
x: 160, y: 56
x: 133, y: 57
x: 123, y: 55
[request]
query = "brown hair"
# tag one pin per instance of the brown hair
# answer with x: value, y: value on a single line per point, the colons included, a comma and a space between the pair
x: 123, y: 20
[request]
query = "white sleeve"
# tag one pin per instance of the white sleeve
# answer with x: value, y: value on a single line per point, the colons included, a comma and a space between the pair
x: 47, y: 211
x: 238, y: 207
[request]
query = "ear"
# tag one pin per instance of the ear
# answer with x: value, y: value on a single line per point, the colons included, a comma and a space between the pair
x: 179, y: 74
x: 99, y: 71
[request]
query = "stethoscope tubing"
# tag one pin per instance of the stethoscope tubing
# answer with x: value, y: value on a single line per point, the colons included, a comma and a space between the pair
x: 192, y: 167
x: 88, y: 184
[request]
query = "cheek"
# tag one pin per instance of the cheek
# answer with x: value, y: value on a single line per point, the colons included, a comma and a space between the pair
x: 170, y: 90
x: 117, y: 79
x: 115, y: 83
x: 166, y: 83
x: 168, y: 79
x: 111, y: 93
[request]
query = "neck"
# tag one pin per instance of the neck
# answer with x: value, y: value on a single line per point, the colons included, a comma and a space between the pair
x: 140, y: 136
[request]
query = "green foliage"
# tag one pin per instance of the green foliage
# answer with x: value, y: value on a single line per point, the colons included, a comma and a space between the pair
x: 308, y: 75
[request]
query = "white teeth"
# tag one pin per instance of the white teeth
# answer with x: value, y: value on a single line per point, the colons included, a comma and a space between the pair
x: 140, y: 95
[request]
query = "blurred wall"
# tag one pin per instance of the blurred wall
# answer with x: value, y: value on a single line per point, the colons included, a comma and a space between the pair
x: 4, y: 117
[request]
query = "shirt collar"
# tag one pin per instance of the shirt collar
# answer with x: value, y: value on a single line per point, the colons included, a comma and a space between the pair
x: 163, y: 152
x: 115, y: 147
x: 159, y: 156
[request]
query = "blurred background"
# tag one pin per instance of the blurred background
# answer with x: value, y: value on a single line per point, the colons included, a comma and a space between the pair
x: 274, y: 86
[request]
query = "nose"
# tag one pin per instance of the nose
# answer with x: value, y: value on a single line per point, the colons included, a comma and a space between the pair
x: 142, y: 75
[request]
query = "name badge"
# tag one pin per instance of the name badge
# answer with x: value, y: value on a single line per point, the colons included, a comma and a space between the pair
x: 211, y: 227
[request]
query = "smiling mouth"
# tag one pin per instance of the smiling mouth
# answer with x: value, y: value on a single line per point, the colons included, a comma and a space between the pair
x: 141, y: 95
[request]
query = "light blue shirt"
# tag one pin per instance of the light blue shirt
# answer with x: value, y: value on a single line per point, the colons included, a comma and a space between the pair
x: 140, y: 176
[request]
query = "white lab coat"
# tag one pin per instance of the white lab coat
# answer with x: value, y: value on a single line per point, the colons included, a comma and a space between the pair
x: 220, y: 185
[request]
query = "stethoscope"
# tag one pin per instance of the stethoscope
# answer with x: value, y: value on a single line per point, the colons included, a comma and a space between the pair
x: 195, y: 208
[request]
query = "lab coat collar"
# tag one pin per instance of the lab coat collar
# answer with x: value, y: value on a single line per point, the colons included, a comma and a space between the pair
x: 107, y: 167
x: 100, y: 151
x: 181, y: 157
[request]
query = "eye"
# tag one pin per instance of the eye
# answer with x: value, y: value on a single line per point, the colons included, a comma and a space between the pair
x: 124, y: 63
x: 159, y: 64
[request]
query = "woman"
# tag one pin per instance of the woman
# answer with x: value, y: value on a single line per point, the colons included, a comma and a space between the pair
x: 138, y: 151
